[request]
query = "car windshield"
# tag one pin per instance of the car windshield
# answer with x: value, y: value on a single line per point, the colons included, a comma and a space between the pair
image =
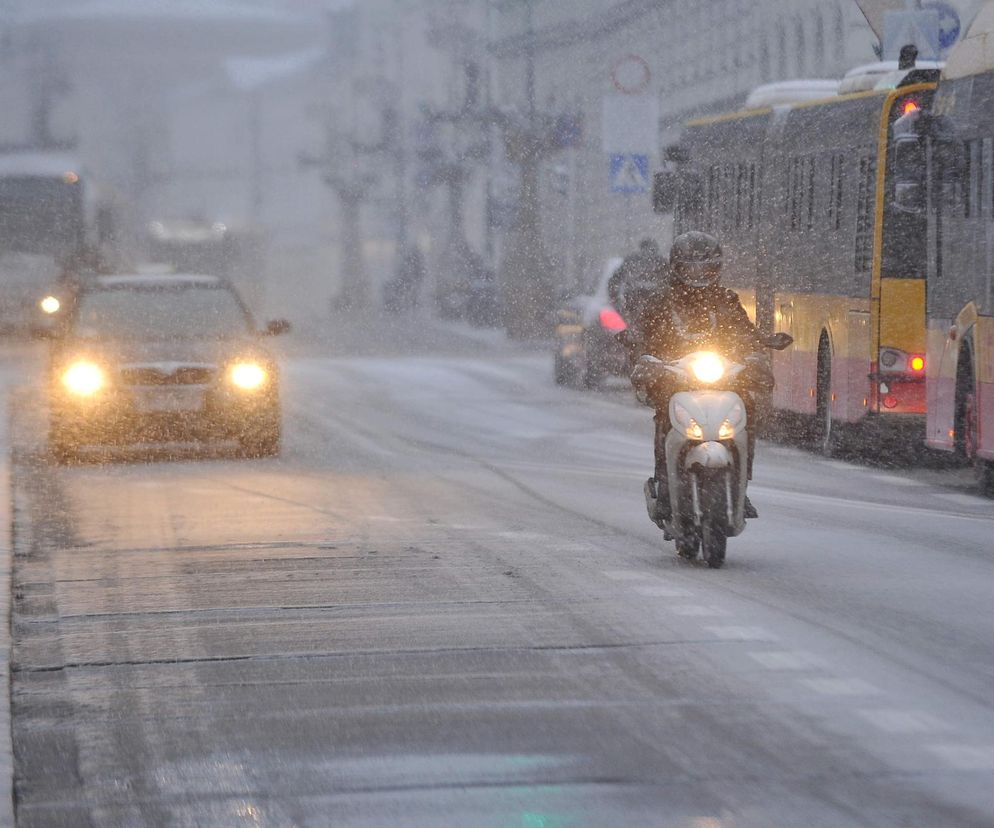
x: 153, y: 313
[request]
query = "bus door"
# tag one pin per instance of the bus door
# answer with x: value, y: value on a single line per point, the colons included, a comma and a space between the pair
x: 783, y: 361
x: 943, y: 172
x: 900, y: 349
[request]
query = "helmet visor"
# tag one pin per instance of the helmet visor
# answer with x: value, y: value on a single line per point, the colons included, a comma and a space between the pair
x: 698, y: 274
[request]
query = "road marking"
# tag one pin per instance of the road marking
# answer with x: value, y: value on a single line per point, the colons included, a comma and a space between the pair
x: 841, y: 687
x: 784, y: 660
x: 962, y: 499
x: 742, y: 633
x: 839, y: 464
x: 901, y: 721
x: 696, y: 610
x: 965, y: 757
x: 532, y: 537
x: 896, y: 481
x: 625, y: 575
x: 660, y: 591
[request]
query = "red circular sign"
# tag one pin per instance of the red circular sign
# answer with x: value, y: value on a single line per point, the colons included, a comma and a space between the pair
x: 631, y: 75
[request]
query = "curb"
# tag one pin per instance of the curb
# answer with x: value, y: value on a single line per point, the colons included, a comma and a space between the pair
x: 6, y: 563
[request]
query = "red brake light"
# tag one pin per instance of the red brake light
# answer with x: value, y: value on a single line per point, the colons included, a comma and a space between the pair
x: 917, y: 364
x: 611, y: 320
x: 909, y: 107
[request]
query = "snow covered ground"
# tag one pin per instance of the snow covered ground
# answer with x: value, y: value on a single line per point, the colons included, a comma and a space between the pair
x: 445, y: 604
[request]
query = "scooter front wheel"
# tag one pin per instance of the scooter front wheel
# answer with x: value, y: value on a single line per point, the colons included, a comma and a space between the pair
x: 714, y: 535
x: 713, y: 542
x: 687, y: 547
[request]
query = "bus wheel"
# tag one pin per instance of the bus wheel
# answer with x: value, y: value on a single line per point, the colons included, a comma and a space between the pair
x: 983, y: 469
x: 824, y: 430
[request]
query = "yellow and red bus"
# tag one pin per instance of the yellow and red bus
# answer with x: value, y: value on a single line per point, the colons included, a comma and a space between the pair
x: 800, y: 196
x: 955, y: 177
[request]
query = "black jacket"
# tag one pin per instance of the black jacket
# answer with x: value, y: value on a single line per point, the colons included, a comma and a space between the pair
x: 679, y: 320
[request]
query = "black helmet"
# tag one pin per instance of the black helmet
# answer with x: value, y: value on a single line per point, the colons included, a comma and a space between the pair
x: 695, y: 260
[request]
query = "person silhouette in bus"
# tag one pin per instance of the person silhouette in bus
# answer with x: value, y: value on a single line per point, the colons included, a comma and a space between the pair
x: 640, y: 275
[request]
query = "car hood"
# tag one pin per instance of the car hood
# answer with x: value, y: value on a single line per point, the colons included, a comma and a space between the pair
x: 165, y: 352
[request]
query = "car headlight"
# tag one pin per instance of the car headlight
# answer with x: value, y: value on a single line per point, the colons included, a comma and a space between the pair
x: 726, y: 431
x: 248, y: 376
x: 694, y: 430
x: 84, y: 379
x: 50, y: 305
x: 708, y: 367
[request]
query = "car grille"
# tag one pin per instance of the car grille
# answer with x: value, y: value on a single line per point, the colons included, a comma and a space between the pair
x: 184, y: 375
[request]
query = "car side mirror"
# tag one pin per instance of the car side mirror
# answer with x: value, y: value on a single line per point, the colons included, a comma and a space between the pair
x: 781, y: 341
x: 277, y: 327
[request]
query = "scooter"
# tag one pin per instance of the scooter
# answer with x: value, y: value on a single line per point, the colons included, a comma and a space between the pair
x: 707, y: 450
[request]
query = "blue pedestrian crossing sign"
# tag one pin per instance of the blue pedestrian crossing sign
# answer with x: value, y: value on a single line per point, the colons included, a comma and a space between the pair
x: 630, y: 173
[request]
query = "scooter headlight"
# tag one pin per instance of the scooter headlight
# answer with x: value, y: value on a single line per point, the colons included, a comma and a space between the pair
x: 708, y: 367
x: 694, y: 430
x: 726, y: 431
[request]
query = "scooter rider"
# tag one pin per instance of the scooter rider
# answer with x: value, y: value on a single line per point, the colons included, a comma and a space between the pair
x: 696, y: 313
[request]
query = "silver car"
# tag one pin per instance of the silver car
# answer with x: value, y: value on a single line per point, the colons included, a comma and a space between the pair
x: 154, y: 359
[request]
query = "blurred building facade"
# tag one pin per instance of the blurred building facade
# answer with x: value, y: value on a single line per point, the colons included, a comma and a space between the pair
x: 470, y: 72
x: 675, y: 59
x: 147, y: 97
x: 347, y: 131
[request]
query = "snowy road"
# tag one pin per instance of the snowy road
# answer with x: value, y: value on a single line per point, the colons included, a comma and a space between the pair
x: 445, y: 606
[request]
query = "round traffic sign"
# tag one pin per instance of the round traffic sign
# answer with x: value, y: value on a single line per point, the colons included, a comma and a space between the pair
x: 631, y: 75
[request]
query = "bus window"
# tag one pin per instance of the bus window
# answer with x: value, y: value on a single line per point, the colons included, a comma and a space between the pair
x: 904, y: 234
x: 833, y: 204
x: 690, y: 200
x: 948, y: 169
x: 909, y: 175
x: 864, y: 214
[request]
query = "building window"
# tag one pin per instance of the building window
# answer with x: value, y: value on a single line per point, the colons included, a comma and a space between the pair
x: 840, y: 35
x: 819, y: 43
x: 801, y: 45
x: 782, y: 54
